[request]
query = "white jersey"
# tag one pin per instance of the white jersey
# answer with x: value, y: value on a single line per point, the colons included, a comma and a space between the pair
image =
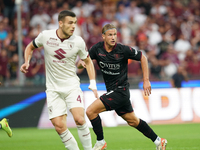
x: 60, y: 58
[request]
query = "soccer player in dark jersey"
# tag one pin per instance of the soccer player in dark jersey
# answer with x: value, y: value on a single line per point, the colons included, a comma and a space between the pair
x: 112, y: 59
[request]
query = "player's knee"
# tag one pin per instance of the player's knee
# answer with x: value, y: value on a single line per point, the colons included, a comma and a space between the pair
x: 88, y: 112
x: 59, y: 127
x: 79, y: 120
x: 133, y: 123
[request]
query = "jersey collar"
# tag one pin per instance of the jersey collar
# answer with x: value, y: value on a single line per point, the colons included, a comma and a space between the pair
x: 60, y: 38
x: 112, y: 48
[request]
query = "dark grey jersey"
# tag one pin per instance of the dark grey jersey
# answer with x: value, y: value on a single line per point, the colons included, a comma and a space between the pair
x: 114, y: 64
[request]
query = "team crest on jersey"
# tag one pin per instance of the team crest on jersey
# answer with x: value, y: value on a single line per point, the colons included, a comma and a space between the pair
x: 117, y: 56
x: 52, y: 42
x: 70, y: 45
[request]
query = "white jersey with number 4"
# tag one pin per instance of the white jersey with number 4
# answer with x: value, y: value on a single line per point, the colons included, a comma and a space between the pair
x: 60, y: 58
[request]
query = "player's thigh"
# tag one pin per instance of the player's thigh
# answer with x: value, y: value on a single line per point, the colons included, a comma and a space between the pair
x: 75, y: 104
x: 131, y: 119
x: 96, y: 107
x: 74, y: 99
x: 56, y: 104
x: 78, y: 115
x: 59, y: 121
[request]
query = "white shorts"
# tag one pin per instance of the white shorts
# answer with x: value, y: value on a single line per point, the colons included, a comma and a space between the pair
x: 59, y: 101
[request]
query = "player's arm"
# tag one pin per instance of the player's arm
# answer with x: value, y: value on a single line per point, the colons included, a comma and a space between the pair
x: 27, y: 56
x: 145, y: 70
x: 91, y: 73
x: 81, y: 64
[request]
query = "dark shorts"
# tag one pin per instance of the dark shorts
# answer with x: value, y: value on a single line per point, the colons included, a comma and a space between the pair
x: 118, y: 100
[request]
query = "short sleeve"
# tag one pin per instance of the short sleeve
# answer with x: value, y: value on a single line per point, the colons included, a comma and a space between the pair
x: 38, y: 41
x: 131, y: 53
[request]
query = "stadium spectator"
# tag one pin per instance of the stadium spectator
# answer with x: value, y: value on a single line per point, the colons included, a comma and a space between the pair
x: 13, y: 45
x: 121, y: 14
x: 159, y: 8
x: 52, y: 24
x: 77, y: 9
x: 88, y: 7
x: 193, y: 67
x: 125, y: 33
x: 94, y: 37
x: 97, y: 13
x: 13, y: 68
x: 126, y: 3
x: 132, y: 9
x: 3, y: 32
x: 4, y: 59
x: 134, y: 69
x: 146, y: 5
x: 106, y: 16
x: 133, y: 26
x: 169, y: 61
x: 179, y: 77
x: 9, y: 10
x: 178, y: 8
x: 35, y: 74
x: 162, y: 46
x: 40, y: 18
x: 154, y: 36
x: 52, y: 8
x: 182, y: 46
x: 156, y: 70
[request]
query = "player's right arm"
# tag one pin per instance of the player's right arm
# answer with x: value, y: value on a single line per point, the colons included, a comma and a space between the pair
x: 27, y: 56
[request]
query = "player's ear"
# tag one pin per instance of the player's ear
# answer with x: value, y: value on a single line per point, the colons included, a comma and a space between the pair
x: 60, y: 23
x: 103, y: 36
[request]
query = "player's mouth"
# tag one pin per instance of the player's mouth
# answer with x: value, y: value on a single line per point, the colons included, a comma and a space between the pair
x: 113, y: 42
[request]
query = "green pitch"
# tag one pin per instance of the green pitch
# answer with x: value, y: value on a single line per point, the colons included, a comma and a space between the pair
x: 180, y: 137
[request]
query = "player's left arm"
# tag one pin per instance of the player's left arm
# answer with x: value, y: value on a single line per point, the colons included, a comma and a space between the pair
x: 81, y: 64
x: 91, y: 73
x: 145, y: 70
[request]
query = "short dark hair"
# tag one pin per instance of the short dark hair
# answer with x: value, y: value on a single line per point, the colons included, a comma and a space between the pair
x: 65, y: 13
x: 107, y: 27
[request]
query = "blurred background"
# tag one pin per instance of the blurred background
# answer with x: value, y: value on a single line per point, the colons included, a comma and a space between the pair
x: 166, y: 31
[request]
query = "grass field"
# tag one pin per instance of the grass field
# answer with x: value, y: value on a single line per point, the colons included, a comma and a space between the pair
x: 180, y: 137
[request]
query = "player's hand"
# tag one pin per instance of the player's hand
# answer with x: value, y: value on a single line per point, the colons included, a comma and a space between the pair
x: 24, y: 68
x: 81, y: 64
x: 147, y: 88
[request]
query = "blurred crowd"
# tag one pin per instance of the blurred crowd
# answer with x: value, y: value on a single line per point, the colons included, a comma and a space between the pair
x: 166, y: 31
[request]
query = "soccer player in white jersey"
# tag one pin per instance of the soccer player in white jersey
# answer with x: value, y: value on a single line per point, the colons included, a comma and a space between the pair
x: 63, y: 85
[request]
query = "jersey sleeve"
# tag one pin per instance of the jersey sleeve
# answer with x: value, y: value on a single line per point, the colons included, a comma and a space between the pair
x: 83, y: 52
x: 38, y: 41
x: 131, y: 53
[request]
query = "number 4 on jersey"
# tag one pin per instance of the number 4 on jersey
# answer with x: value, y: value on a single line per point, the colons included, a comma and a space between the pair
x: 79, y: 98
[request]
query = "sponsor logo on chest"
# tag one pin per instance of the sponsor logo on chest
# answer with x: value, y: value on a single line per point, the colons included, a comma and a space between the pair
x: 52, y: 42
